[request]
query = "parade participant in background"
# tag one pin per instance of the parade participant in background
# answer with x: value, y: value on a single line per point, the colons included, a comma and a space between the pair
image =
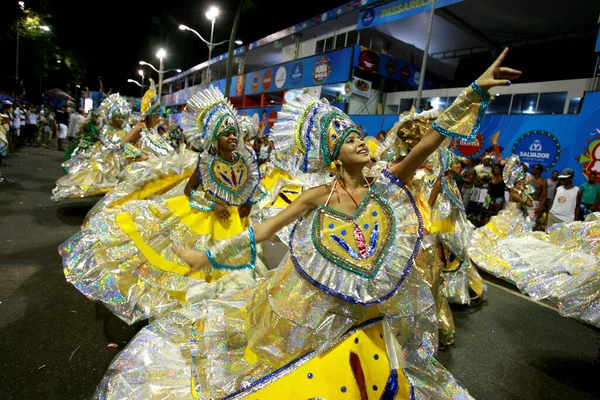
x: 495, y: 192
x: 97, y: 158
x: 138, y: 235
x: 457, y: 279
x: 552, y: 184
x: 62, y: 120
x: 565, y: 207
x: 144, y: 140
x: 4, y: 145
x: 469, y: 176
x: 86, y: 137
x: 590, y: 196
x: 350, y: 258
x: 540, y: 194
x: 513, y: 220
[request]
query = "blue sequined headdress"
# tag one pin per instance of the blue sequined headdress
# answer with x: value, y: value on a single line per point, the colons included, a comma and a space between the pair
x: 309, y: 134
x: 115, y: 106
x: 207, y: 116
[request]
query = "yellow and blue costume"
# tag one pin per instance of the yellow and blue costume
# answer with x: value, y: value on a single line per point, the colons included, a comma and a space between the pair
x: 123, y: 256
x: 345, y: 299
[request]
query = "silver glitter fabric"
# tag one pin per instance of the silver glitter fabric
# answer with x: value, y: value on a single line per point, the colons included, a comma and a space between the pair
x: 484, y: 252
x: 563, y: 265
x: 217, y: 348
x: 95, y: 170
x: 139, y: 174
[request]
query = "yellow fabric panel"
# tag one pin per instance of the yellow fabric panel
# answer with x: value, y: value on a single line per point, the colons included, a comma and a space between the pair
x: 127, y: 224
x: 158, y: 186
x: 330, y: 376
x: 207, y: 222
x: 442, y: 226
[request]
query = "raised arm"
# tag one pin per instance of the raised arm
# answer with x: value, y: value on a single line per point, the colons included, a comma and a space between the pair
x: 495, y: 75
x: 435, y: 190
x: 134, y: 134
x: 515, y: 197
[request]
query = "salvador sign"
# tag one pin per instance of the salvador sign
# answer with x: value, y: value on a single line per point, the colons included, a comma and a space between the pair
x: 538, y: 147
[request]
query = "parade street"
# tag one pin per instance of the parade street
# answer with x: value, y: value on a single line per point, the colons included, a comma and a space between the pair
x: 56, y: 344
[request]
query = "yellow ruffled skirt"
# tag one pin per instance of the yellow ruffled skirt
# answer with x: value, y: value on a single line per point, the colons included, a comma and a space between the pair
x: 124, y: 257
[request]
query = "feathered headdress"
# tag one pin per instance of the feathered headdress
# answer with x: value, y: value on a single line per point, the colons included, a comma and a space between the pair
x: 308, y: 135
x: 151, y: 103
x: 114, y: 106
x: 406, y: 133
x: 207, y: 116
x: 513, y: 172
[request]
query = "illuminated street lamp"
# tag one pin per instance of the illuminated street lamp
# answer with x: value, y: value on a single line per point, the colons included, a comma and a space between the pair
x: 212, y: 15
x: 160, y: 55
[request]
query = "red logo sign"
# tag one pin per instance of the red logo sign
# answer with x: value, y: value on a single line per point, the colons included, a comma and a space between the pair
x: 405, y: 73
x: 272, y: 118
x: 469, y: 149
x: 267, y: 79
x: 321, y: 71
x: 390, y: 68
x: 255, y: 82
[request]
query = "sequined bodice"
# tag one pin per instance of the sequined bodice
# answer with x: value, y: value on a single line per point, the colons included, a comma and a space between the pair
x: 360, y: 258
x: 230, y: 176
x: 111, y: 138
x: 357, y: 242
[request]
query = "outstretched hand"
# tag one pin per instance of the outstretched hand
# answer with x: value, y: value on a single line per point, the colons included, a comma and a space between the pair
x: 497, y: 75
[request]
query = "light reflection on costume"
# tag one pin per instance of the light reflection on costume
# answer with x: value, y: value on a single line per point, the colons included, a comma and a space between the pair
x: 123, y: 257
x: 306, y: 318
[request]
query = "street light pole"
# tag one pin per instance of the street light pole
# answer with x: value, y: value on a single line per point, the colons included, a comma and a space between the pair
x: 210, y: 47
x: 17, y: 66
x: 160, y: 78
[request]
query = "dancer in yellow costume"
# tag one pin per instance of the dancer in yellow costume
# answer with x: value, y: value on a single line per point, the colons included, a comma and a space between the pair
x: 349, y: 266
x: 512, y: 220
x: 159, y: 167
x: 94, y: 169
x: 401, y: 139
x: 123, y: 257
x: 462, y: 284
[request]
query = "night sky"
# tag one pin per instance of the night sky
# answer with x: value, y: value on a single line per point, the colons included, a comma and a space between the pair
x: 112, y: 36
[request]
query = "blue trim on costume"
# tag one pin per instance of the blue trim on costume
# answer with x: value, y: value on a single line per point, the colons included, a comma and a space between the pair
x: 485, y: 102
x: 391, y: 386
x: 217, y: 265
x: 277, y: 373
x: 407, y: 268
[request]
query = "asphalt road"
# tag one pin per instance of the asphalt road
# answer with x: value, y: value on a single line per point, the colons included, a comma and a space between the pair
x: 54, y: 343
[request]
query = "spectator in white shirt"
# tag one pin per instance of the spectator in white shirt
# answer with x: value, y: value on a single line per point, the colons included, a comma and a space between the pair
x: 32, y: 122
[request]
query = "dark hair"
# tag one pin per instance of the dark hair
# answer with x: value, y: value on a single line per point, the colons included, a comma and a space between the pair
x: 556, y: 172
x: 538, y: 166
x: 592, y: 173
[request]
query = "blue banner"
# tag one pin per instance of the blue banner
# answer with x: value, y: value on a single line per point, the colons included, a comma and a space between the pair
x: 384, y: 65
x: 264, y: 117
x: 323, y: 69
x: 397, y: 10
x: 555, y: 141
x: 598, y: 42
x: 375, y: 125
